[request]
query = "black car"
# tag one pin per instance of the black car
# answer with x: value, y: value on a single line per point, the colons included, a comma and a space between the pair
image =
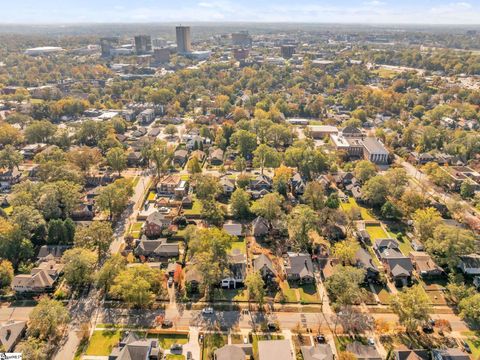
x: 272, y: 326
x: 466, y: 347
x: 427, y: 329
x: 167, y: 324
x: 320, y: 339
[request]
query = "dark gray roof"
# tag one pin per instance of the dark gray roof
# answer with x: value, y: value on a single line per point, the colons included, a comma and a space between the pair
x: 300, y: 263
x: 411, y: 355
x: 233, y: 352
x: 374, y: 146
x: 364, y: 260
x: 158, y: 247
x: 450, y: 354
x: 471, y: 261
x: 263, y: 260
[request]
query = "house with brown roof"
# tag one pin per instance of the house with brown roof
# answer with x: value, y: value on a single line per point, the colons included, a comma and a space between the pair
x: 233, y: 352
x: 41, y: 278
x: 10, y: 334
x: 167, y: 185
x: 264, y: 265
x: 155, y: 223
x: 424, y: 264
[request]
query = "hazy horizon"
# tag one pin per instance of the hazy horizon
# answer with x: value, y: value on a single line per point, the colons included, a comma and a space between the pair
x: 409, y: 12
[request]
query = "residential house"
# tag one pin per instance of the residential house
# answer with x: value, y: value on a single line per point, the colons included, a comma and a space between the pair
x: 420, y: 159
x: 364, y: 237
x: 146, y: 116
x: 216, y: 157
x: 132, y: 347
x: 199, y: 154
x: 449, y: 354
x: 166, y: 186
x: 398, y: 266
x: 235, y: 229
x: 181, y: 190
x: 264, y: 265
x: 227, y: 184
x: 408, y: 354
x: 297, y: 184
x: 9, y: 177
x: 275, y: 350
x: 154, y: 132
x: 180, y: 157
x: 155, y: 223
x: 260, y: 227
x: 41, y: 278
x: 197, y: 142
x: 237, y: 269
x: 343, y: 179
x: 260, y: 186
x: 139, y: 132
x: 193, y: 278
x: 135, y: 159
x: 317, y: 352
x: 83, y: 212
x: 29, y: 151
x: 364, y: 261
x: 51, y: 252
x: 10, y: 334
x: 470, y: 264
x: 233, y: 352
x: 424, y: 264
x: 363, y: 352
x: 299, y: 267
x: 156, y: 249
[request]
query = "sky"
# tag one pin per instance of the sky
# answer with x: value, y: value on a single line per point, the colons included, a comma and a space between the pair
x: 312, y: 11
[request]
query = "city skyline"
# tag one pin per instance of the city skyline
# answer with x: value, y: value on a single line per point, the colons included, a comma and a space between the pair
x: 343, y: 11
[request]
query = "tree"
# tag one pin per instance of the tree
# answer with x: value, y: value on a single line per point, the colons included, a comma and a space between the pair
x: 314, y: 195
x: 10, y: 158
x: 470, y: 308
x: 269, y: 207
x: 170, y: 130
x: 161, y: 96
x: 457, y: 289
x: 109, y: 271
x: 412, y: 307
x: 59, y: 232
x: 265, y: 156
x: 425, y: 221
x: 448, y: 243
x: 117, y: 159
x: 212, y: 212
x: 246, y: 143
x: 308, y: 160
x: 375, y: 190
x: 207, y: 187
x: 96, y: 237
x: 13, y: 245
x: 193, y: 166
x: 33, y: 349
x: 79, y: 266
x: 115, y: 197
x: 30, y: 220
x: 390, y: 211
x: 6, y: 274
x: 344, y: 285
x: 299, y: 224
x: 467, y: 189
x: 209, y: 250
x: 240, y: 204
x: 240, y: 164
x: 161, y: 154
x: 397, y: 179
x: 256, y: 287
x: 40, y: 132
x: 9, y: 135
x: 138, y: 286
x: 365, y: 170
x: 332, y: 202
x: 47, y: 319
x: 410, y: 202
x: 84, y: 158
x: 345, y: 251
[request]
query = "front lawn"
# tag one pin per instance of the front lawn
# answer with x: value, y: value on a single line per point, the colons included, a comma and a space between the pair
x: 196, y: 209
x: 230, y: 294
x: 103, y: 341
x: 167, y: 340
x: 364, y: 212
x: 212, y: 342
x: 309, y: 294
x: 289, y: 293
x: 175, y: 357
x: 384, y: 296
x: 341, y: 342
x: 473, y: 340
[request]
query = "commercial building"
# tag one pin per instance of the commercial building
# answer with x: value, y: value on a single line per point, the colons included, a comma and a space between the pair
x: 241, y: 54
x: 161, y: 56
x: 287, y: 51
x: 242, y: 38
x: 143, y: 44
x: 184, y: 40
x: 43, y: 50
x: 107, y: 44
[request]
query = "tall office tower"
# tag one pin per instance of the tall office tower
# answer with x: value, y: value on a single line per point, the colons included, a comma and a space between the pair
x: 287, y: 51
x: 143, y: 44
x: 242, y: 38
x: 107, y: 44
x: 184, y: 41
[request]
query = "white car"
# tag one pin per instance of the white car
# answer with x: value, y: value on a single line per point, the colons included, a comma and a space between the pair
x: 207, y: 311
x: 371, y: 341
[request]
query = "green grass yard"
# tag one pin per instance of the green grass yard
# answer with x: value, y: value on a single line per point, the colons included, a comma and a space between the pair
x: 196, y: 208
x: 167, y: 340
x: 309, y: 294
x: 240, y: 245
x: 289, y: 293
x: 102, y: 342
x: 376, y: 232
x: 365, y: 213
x: 473, y: 340
x: 212, y: 342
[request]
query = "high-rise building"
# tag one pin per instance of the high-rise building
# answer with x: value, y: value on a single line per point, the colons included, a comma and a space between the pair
x: 287, y: 51
x: 161, y: 56
x: 107, y: 44
x: 143, y: 44
x: 240, y: 54
x: 242, y: 38
x: 184, y: 41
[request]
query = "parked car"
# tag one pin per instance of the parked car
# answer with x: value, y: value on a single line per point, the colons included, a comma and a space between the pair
x: 200, y: 338
x: 207, y: 311
x: 272, y: 326
x: 167, y: 324
x: 189, y: 355
x: 466, y: 347
x: 427, y: 329
x: 371, y: 341
x: 176, y: 347
x: 170, y: 281
x: 320, y: 339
